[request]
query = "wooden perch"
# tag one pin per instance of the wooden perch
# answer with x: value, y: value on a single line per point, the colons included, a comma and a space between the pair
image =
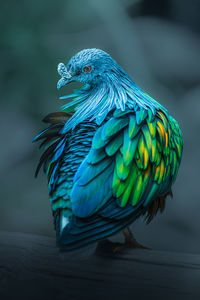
x: 31, y: 267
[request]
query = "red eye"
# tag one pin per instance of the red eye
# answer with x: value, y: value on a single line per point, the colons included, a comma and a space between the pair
x: 87, y: 69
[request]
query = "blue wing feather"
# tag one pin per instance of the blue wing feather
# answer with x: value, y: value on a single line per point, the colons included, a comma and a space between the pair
x: 87, y: 199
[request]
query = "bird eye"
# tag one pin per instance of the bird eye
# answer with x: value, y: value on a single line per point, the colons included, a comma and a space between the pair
x: 87, y: 69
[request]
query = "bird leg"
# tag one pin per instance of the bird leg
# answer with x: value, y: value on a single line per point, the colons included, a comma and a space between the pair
x: 113, y: 247
x: 130, y: 241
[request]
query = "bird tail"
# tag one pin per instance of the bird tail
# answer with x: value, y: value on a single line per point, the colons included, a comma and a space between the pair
x: 74, y: 232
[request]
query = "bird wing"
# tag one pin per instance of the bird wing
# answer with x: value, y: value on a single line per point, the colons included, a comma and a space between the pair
x: 134, y: 158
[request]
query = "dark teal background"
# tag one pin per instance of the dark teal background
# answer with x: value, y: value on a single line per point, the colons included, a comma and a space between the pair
x: 156, y: 42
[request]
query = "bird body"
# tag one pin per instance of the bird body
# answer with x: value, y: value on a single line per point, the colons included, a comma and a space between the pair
x: 112, y: 154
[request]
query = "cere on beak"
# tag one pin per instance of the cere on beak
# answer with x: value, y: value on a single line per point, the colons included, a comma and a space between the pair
x: 66, y: 77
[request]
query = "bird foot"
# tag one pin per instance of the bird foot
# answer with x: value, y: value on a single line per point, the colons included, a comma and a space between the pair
x: 133, y: 244
x: 107, y: 247
x: 130, y: 241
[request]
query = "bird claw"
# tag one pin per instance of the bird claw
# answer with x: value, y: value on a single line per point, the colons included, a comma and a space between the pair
x: 118, y: 248
x: 134, y: 244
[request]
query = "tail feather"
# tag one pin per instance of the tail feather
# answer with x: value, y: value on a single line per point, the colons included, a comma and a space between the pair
x: 80, y: 232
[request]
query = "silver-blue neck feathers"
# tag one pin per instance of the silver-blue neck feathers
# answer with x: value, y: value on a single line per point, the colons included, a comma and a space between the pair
x: 107, y: 87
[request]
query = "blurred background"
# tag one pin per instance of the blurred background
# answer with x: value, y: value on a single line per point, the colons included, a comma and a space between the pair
x: 156, y: 42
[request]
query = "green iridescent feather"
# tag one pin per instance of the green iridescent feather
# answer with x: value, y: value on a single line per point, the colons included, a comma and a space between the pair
x: 146, y: 155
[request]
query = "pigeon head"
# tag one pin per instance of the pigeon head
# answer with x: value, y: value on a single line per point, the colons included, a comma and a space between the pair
x: 87, y: 66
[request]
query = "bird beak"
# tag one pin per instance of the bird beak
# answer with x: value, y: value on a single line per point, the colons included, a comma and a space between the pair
x: 66, y: 77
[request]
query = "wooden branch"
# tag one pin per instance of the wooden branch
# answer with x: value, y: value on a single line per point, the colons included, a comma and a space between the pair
x: 31, y: 267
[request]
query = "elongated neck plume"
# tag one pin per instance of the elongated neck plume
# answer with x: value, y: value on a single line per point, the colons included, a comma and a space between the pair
x: 94, y: 102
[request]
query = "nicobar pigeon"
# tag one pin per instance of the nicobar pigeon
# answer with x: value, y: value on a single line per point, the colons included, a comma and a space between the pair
x: 111, y: 154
